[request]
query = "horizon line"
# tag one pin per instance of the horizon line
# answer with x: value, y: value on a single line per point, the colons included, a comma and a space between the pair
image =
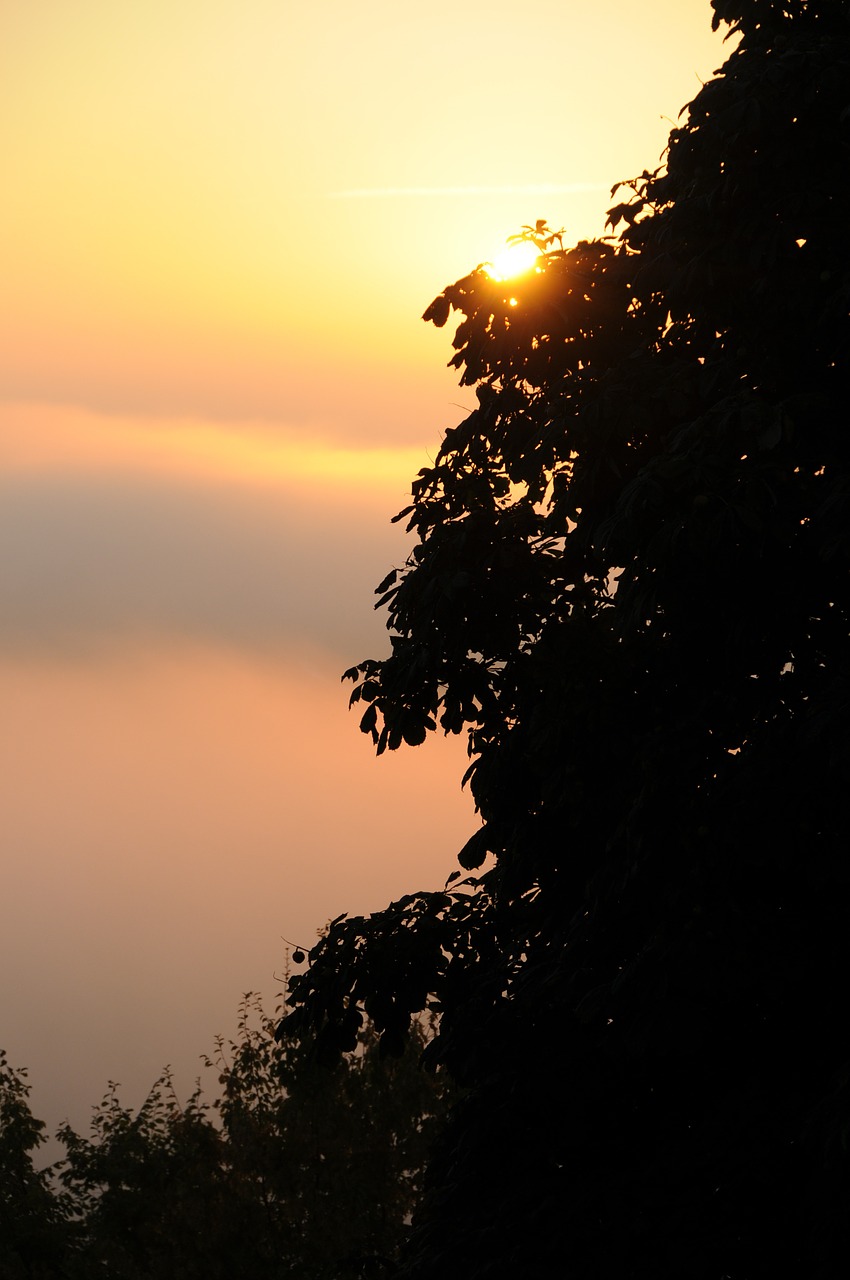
x: 534, y: 188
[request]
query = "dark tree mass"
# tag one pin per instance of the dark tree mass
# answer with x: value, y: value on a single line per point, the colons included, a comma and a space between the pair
x: 293, y: 1170
x: 629, y: 589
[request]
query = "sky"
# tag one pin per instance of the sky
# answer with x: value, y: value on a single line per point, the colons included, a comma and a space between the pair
x: 221, y: 222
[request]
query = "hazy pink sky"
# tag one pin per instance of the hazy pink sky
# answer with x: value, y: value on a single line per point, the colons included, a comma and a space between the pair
x: 221, y: 222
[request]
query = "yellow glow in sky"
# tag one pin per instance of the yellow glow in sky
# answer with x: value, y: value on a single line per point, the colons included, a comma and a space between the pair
x: 220, y: 205
x: 514, y: 260
x: 71, y: 441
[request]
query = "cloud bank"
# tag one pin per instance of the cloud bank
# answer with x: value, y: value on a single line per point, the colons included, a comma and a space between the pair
x: 113, y: 535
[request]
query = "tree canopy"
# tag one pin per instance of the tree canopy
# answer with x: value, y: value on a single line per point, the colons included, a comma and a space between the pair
x: 292, y: 1170
x: 629, y: 590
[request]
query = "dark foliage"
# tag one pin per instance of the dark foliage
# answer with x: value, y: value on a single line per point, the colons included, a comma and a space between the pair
x: 33, y: 1234
x: 630, y: 590
x: 296, y: 1170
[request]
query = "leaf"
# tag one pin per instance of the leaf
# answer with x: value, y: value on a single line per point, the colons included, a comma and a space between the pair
x: 413, y: 731
x: 438, y: 311
x: 369, y: 719
x: 474, y: 851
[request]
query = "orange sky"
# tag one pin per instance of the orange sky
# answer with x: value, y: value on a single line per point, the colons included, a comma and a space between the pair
x: 221, y: 222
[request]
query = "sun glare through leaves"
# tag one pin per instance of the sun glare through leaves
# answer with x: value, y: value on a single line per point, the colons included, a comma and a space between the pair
x: 515, y: 260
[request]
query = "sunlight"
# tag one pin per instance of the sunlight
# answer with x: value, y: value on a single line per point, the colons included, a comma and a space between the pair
x: 514, y: 260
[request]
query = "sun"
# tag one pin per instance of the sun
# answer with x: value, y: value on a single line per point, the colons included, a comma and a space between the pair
x: 514, y: 260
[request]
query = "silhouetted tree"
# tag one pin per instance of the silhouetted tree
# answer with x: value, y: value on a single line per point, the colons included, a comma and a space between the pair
x: 297, y: 1169
x: 630, y: 590
x: 34, y: 1220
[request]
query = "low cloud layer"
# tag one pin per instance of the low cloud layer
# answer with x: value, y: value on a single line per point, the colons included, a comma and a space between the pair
x: 184, y: 783
x: 526, y: 189
x: 260, y: 550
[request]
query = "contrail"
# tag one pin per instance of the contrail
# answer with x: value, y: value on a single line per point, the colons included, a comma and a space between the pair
x: 530, y: 189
